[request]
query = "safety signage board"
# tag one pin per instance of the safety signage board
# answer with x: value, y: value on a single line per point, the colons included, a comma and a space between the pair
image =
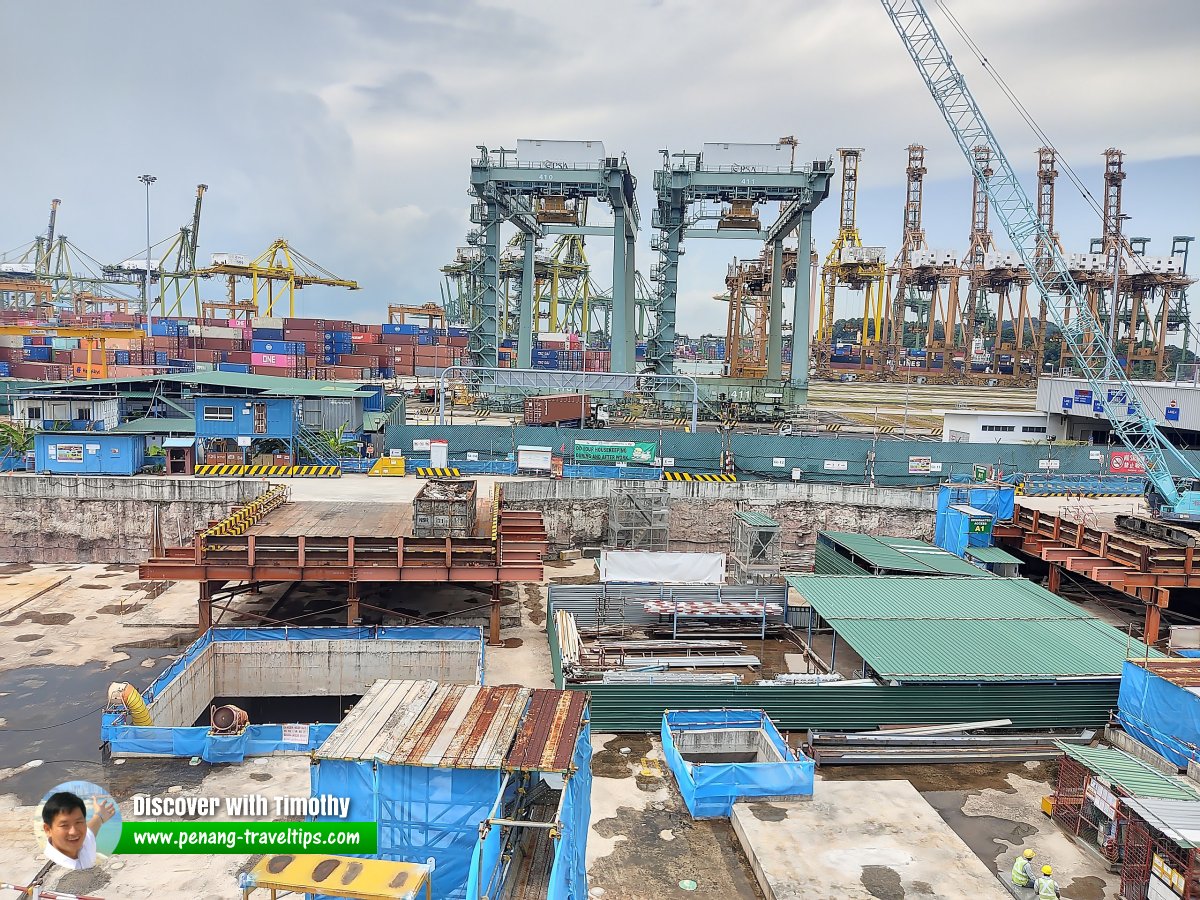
x: 918, y: 465
x: 1048, y: 463
x: 1172, y: 412
x: 1067, y: 402
x: 835, y: 465
x: 1123, y: 462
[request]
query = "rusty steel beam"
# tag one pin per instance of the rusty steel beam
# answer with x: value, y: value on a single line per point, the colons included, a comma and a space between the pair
x: 170, y: 570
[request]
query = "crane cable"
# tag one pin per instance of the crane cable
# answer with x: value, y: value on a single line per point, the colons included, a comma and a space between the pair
x: 1024, y: 113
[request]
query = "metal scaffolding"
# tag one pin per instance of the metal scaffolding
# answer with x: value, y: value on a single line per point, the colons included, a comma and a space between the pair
x: 756, y: 547
x: 638, y: 518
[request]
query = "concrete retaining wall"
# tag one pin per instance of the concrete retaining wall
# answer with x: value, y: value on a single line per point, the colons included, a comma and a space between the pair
x: 576, y: 511
x: 70, y: 519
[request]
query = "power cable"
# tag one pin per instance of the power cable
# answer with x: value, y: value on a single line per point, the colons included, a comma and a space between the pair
x: 55, y: 725
x: 1037, y: 130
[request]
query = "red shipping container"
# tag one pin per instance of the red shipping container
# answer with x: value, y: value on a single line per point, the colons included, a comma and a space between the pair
x: 358, y: 360
x: 551, y: 408
x: 458, y: 341
x: 306, y: 335
x: 240, y: 357
x: 399, y: 340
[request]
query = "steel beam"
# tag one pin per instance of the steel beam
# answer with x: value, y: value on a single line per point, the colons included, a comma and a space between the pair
x: 775, y: 314
x: 802, y: 304
x: 528, y: 327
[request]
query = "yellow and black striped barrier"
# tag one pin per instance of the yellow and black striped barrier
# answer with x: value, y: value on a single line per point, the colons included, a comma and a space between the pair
x: 683, y: 422
x: 689, y: 476
x: 496, y: 500
x: 239, y: 471
x: 240, y: 520
x: 1019, y: 489
x: 833, y: 426
x: 435, y: 472
x: 316, y: 471
x: 232, y: 471
x: 887, y: 429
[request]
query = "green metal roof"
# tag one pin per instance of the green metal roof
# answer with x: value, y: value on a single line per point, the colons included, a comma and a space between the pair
x: 756, y: 519
x: 263, y: 384
x: 373, y: 421
x: 991, y: 555
x: 900, y: 555
x: 977, y: 629
x: 827, y: 561
x: 1129, y: 773
x: 157, y: 426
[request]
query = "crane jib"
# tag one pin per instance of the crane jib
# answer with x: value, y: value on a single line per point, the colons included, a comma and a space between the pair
x: 1085, y: 338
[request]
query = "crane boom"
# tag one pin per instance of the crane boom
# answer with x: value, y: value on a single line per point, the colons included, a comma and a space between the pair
x: 1083, y: 334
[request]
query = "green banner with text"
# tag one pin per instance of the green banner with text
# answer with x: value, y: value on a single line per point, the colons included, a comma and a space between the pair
x: 249, y: 837
x: 640, y: 452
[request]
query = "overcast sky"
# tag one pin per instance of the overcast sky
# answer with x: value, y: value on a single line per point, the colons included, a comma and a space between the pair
x: 349, y: 127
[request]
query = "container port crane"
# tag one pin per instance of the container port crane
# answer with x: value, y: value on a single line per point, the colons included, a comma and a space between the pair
x: 280, y: 264
x: 852, y: 265
x: 1091, y: 348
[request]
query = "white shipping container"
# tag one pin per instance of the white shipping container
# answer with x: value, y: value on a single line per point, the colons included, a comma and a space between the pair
x: 17, y: 268
x: 863, y: 255
x: 1087, y: 262
x: 266, y: 322
x: 215, y: 331
x: 11, y: 340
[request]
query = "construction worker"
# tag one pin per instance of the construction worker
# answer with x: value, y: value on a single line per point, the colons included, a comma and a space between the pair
x: 1022, y: 870
x: 1047, y: 887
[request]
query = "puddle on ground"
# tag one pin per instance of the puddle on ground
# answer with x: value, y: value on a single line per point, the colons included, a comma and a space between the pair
x: 46, y: 698
x: 961, y: 777
x: 95, y: 587
x: 767, y: 812
x: 987, y: 836
x: 179, y: 639
x: 512, y: 643
x: 259, y: 776
x: 612, y: 763
x: 26, y: 638
x: 38, y: 618
x: 882, y: 882
x: 118, y: 609
x: 16, y: 568
x: 1088, y: 888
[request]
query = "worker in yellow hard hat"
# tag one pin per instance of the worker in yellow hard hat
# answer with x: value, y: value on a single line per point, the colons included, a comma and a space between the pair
x: 1022, y: 871
x: 1047, y: 887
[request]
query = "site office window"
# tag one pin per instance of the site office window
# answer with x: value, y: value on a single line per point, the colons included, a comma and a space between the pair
x: 218, y: 413
x: 998, y: 428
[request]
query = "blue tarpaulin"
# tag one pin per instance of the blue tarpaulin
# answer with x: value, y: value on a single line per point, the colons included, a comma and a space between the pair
x: 1162, y: 715
x: 257, y: 739
x: 952, y: 529
x: 568, y: 875
x: 711, y: 789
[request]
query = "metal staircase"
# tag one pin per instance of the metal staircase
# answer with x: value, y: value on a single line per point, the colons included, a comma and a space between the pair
x: 312, y: 445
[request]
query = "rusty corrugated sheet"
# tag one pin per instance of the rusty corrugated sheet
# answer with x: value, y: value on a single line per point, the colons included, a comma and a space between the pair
x: 1183, y: 672
x: 546, y: 741
x: 463, y: 727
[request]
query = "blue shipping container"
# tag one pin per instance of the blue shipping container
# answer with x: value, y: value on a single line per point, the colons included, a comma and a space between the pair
x: 122, y: 357
x: 268, y: 334
x: 5, y: 370
x: 234, y: 367
x: 89, y: 453
x: 400, y: 329
x: 424, y: 339
x: 37, y: 354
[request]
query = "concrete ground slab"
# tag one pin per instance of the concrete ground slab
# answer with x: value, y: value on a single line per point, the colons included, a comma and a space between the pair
x: 859, y: 841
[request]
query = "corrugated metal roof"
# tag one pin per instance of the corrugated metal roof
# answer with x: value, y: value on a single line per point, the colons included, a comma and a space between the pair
x: 937, y: 629
x: 1179, y: 820
x: 827, y: 561
x: 450, y: 726
x: 546, y: 741
x: 899, y: 555
x: 1129, y: 773
x: 991, y: 555
x: 157, y: 426
x: 1183, y: 672
x: 267, y: 384
x: 756, y: 519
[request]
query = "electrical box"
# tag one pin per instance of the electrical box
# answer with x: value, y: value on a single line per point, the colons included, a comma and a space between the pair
x: 746, y: 157
x: 560, y: 154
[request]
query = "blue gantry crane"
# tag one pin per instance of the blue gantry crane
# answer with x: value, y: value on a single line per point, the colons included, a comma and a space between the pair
x: 1170, y: 499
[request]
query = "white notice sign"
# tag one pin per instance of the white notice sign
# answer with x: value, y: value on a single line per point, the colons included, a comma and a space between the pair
x: 779, y: 462
x: 472, y: 456
x: 668, y: 462
x: 1096, y: 454
x: 1048, y: 463
x: 836, y: 465
x: 419, y: 445
x: 295, y: 734
x: 935, y: 466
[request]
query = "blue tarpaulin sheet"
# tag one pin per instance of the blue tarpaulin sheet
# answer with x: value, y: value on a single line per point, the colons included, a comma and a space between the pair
x: 711, y: 789
x: 257, y: 739
x: 1160, y: 714
x: 568, y: 874
x: 952, y: 528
